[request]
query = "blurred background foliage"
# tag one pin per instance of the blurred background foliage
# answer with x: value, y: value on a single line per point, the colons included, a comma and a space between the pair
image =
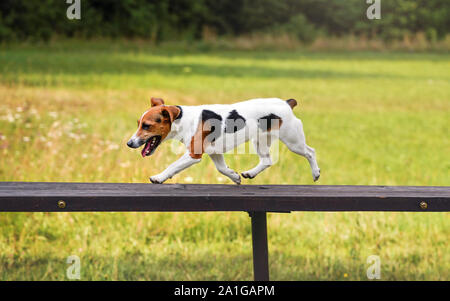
x: 167, y: 20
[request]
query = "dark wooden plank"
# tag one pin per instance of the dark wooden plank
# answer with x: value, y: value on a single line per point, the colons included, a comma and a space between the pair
x: 36, y: 196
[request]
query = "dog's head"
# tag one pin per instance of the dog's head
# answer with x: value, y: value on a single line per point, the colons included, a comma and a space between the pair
x: 153, y: 126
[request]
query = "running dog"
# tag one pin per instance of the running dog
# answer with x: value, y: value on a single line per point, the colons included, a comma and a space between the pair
x: 218, y: 128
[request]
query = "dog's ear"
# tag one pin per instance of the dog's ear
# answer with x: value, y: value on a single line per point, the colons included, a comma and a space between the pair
x: 157, y: 101
x: 138, y: 121
x: 170, y: 112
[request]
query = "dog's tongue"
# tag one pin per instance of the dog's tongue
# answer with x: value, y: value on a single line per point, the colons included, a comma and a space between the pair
x: 145, y: 149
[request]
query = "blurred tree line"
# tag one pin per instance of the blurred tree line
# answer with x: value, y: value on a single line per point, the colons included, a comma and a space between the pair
x: 162, y: 20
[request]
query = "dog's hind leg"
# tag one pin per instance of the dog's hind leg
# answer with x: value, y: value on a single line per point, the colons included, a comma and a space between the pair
x: 294, y: 138
x: 262, y: 147
x: 222, y: 167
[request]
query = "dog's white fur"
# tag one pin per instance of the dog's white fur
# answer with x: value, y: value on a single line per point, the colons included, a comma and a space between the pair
x: 290, y: 133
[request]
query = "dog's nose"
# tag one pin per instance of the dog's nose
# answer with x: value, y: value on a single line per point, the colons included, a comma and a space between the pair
x: 130, y: 143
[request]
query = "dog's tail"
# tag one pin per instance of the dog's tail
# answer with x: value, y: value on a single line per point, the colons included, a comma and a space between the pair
x: 292, y: 103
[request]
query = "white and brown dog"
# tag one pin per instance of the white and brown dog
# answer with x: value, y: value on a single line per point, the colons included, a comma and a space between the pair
x: 216, y: 129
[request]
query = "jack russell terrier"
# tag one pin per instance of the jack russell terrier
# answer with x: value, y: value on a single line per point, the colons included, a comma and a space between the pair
x: 216, y: 129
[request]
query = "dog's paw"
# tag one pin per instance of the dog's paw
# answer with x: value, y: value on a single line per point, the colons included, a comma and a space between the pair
x: 236, y: 178
x: 247, y: 175
x: 316, y: 175
x: 157, y: 180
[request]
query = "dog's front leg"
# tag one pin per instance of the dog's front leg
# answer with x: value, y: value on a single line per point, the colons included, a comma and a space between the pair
x: 182, y: 163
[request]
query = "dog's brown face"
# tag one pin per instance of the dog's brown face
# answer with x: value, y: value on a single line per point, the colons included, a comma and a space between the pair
x: 153, y: 126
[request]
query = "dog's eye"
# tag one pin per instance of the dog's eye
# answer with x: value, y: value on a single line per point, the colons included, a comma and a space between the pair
x: 145, y: 126
x: 158, y: 120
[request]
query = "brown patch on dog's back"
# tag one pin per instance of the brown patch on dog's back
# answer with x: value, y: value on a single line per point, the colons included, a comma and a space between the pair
x: 196, y: 148
x: 210, y: 123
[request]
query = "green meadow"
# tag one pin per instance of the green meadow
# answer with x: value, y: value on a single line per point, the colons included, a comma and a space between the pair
x: 374, y: 118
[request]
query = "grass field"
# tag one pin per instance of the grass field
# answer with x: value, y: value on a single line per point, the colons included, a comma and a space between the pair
x: 67, y: 110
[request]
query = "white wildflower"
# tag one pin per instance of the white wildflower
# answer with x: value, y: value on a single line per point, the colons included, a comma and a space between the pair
x: 125, y: 164
x: 54, y: 115
x: 113, y: 146
x: 74, y: 136
x: 10, y: 118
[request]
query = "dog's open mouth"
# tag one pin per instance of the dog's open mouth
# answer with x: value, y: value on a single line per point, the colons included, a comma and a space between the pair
x: 150, y: 146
